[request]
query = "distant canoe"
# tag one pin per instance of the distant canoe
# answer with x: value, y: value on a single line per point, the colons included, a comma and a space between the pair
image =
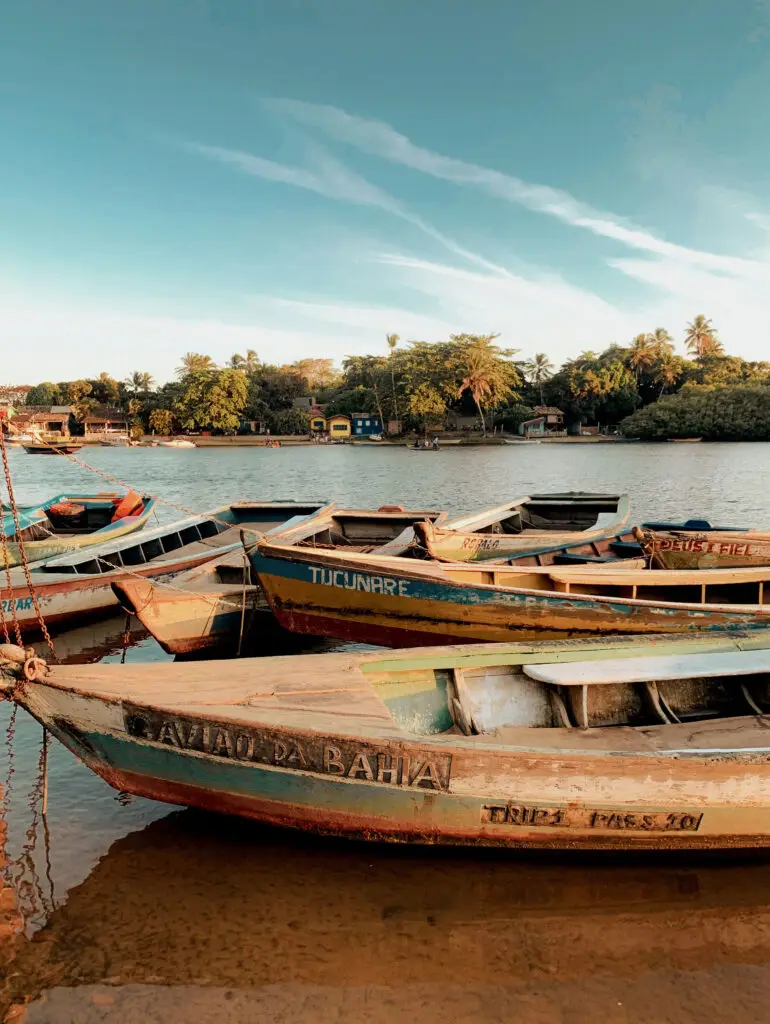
x: 400, y: 602
x: 685, y: 440
x: 57, y: 447
x: 527, y: 524
x: 617, y: 743
x: 710, y: 548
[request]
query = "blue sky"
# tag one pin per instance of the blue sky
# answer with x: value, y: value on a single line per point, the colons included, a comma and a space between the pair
x: 303, y: 176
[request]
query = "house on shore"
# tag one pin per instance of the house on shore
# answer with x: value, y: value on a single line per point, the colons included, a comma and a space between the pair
x: 366, y: 424
x: 42, y: 419
x: 105, y: 421
x: 549, y: 422
x: 318, y: 424
x: 339, y: 426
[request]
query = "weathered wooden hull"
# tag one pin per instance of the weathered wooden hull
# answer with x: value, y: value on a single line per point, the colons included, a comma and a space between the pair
x: 282, y: 753
x: 447, y: 543
x: 186, y: 621
x: 323, y: 594
x: 65, y: 598
x: 705, y: 550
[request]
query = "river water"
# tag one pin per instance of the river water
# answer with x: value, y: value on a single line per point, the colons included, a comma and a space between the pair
x: 137, y: 911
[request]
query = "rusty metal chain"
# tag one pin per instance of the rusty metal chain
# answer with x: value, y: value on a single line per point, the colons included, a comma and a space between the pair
x: 6, y: 561
x: 22, y: 552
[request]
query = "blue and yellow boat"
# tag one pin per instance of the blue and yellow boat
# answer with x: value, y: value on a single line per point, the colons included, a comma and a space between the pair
x: 70, y: 522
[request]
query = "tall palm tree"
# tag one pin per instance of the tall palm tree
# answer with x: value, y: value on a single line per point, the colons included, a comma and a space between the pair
x: 140, y: 381
x: 479, y: 384
x: 701, y: 338
x: 641, y: 354
x: 247, y: 363
x: 192, y: 362
x: 667, y: 372
x: 392, y: 340
x: 539, y: 370
x: 662, y: 342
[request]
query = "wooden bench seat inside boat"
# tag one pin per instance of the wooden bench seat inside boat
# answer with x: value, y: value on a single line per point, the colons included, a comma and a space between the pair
x: 646, y: 670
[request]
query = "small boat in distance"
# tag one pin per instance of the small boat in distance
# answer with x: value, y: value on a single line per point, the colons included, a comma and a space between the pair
x: 59, y: 446
x: 527, y: 524
x: 177, y: 442
x: 71, y: 522
x: 621, y: 743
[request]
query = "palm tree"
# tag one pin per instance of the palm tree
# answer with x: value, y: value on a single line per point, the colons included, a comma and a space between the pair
x: 641, y: 354
x: 392, y: 340
x: 539, y: 370
x: 701, y: 338
x: 247, y: 363
x: 662, y: 342
x: 193, y: 362
x: 667, y: 372
x: 139, y: 381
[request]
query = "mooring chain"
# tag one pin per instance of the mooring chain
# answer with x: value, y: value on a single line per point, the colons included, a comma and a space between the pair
x: 22, y: 553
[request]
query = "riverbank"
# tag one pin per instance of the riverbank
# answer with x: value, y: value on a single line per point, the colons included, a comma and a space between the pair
x: 445, y: 440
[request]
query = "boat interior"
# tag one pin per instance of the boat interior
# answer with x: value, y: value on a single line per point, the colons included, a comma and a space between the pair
x: 527, y: 690
x: 77, y: 514
x: 388, y: 530
x: 216, y: 531
x: 556, y: 512
x: 631, y: 580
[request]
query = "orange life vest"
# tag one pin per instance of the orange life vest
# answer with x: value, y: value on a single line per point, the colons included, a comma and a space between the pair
x: 130, y: 504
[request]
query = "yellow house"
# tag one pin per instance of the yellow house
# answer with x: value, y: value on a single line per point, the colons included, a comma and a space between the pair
x: 339, y: 426
x: 317, y: 423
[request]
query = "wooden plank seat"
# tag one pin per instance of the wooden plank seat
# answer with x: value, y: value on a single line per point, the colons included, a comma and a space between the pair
x: 616, y: 671
x: 701, y: 525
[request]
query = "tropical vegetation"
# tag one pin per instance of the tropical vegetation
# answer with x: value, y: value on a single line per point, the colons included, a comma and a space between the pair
x: 642, y: 389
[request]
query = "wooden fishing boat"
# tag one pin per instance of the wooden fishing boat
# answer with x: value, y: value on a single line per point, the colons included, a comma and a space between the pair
x: 624, y: 547
x: 527, y: 524
x: 79, y: 585
x: 400, y: 602
x: 57, y: 447
x: 72, y: 522
x: 389, y: 529
x: 621, y: 743
x: 704, y: 547
x: 209, y: 606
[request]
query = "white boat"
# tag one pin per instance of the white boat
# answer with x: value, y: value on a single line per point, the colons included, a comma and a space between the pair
x: 177, y: 442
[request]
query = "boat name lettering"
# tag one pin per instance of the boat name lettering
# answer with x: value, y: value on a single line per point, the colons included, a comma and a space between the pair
x: 474, y: 543
x: 584, y: 817
x: 705, y: 546
x: 359, y: 581
x: 349, y: 759
x: 21, y: 604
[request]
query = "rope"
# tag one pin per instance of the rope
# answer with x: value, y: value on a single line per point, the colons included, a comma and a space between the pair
x: 130, y: 487
x: 243, y: 601
x: 23, y: 553
x: 16, y: 627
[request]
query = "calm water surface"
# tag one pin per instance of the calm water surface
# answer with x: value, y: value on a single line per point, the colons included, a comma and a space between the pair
x: 137, y: 911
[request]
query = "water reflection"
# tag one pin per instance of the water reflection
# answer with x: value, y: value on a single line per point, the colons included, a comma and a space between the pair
x: 240, y: 919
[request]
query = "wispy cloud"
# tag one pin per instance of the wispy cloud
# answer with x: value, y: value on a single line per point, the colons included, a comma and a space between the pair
x: 380, y: 139
x: 331, y: 178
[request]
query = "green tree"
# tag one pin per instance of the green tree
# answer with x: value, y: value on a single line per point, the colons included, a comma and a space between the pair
x: 139, y: 382
x: 80, y: 398
x: 642, y: 355
x: 45, y: 394
x: 488, y: 378
x: 194, y: 362
x: 538, y: 371
x: 161, y: 421
x: 701, y: 337
x: 213, y: 399
x: 427, y: 403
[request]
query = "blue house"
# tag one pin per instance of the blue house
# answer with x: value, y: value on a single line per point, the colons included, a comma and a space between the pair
x: 365, y: 424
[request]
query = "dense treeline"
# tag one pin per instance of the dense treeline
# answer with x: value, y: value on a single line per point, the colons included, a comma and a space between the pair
x: 644, y: 387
